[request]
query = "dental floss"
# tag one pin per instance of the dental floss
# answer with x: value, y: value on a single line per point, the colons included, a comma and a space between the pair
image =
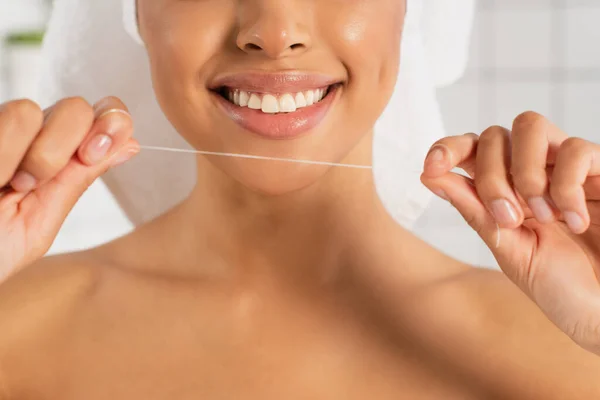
x: 248, y: 156
x: 497, y: 236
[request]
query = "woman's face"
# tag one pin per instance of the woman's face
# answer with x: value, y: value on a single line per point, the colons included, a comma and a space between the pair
x: 302, y: 79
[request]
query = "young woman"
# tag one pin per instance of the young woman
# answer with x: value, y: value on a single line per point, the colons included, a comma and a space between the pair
x: 279, y: 280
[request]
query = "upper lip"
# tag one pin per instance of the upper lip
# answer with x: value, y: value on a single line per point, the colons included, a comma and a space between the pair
x: 274, y: 82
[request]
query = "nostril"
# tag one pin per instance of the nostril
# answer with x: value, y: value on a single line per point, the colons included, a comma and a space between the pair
x: 272, y: 49
x: 252, y: 46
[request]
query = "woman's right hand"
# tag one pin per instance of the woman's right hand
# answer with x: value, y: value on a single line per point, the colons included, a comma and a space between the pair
x: 48, y: 158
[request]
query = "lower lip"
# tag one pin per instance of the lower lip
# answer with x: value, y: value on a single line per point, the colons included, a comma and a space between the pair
x: 282, y: 125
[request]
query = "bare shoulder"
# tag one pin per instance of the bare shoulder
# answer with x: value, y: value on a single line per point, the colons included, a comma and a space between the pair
x: 501, y: 337
x: 36, y: 305
x: 46, y: 288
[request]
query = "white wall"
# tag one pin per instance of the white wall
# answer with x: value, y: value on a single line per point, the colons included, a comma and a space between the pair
x: 22, y: 13
x: 18, y: 15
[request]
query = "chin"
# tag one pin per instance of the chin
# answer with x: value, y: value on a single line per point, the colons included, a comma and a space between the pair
x: 272, y: 178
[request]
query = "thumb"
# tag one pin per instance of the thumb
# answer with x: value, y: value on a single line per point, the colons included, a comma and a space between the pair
x: 460, y: 192
x: 61, y: 194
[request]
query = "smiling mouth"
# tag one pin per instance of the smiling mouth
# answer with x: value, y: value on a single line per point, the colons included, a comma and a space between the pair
x: 275, y: 103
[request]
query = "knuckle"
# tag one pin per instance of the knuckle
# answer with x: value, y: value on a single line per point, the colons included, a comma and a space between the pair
x: 77, y: 105
x: 471, y: 138
x: 447, y: 141
x: 22, y: 113
x: 113, y: 102
x: 562, y: 193
x: 75, y: 111
x: 528, y: 119
x: 492, y: 133
x: 457, y: 141
x: 529, y: 183
x: 574, y: 147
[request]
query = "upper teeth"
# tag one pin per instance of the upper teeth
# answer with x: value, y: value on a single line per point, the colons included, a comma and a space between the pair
x: 272, y: 103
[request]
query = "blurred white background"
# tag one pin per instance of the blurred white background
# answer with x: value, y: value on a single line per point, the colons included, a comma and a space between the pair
x: 539, y: 55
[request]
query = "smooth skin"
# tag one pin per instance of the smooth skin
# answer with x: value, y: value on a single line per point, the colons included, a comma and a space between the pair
x: 274, y: 281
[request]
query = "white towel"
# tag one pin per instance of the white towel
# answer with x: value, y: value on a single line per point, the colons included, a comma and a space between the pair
x: 93, y: 49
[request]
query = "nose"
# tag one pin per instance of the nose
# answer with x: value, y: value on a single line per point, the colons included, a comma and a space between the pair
x: 273, y: 28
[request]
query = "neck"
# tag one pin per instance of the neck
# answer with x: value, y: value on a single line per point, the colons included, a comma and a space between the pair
x: 307, y: 234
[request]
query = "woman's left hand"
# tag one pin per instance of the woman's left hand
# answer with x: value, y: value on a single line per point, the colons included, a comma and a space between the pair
x: 534, y: 197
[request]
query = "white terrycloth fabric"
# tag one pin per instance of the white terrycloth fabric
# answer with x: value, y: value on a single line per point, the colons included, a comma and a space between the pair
x: 93, y: 49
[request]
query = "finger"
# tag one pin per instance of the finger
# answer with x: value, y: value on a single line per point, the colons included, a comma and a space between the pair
x: 451, y: 152
x: 535, y: 141
x: 112, y: 129
x: 492, y: 177
x: 460, y: 191
x: 591, y: 187
x: 65, y: 127
x: 576, y: 160
x: 20, y: 122
x: 62, y: 192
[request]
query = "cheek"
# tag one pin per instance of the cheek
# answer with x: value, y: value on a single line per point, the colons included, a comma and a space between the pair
x: 180, y: 50
x: 367, y: 39
x: 370, y: 29
x: 378, y: 46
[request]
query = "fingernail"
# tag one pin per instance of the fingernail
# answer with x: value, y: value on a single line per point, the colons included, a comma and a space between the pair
x: 541, y: 209
x: 23, y: 182
x: 574, y: 221
x: 98, y: 148
x: 123, y: 157
x: 440, y: 193
x: 504, y: 213
x: 436, y: 155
